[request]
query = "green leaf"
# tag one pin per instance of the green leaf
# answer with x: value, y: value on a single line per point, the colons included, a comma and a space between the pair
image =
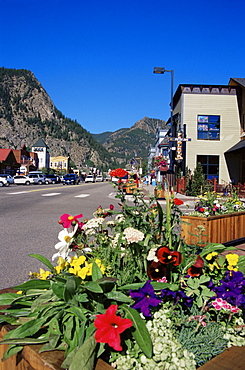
x: 70, y: 287
x: 58, y: 290
x: 39, y: 301
x: 118, y: 296
x: 140, y: 333
x: 77, y: 311
x: 204, y: 279
x: 44, y: 260
x: 96, y: 272
x: 11, y: 351
x: 85, y: 356
x: 93, y: 287
x: 27, y: 329
x: 34, y: 284
x: 8, y: 298
x: 24, y: 341
x: 133, y: 286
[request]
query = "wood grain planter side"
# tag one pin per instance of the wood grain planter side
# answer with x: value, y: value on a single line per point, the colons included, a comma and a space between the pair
x: 218, y: 229
x: 31, y: 359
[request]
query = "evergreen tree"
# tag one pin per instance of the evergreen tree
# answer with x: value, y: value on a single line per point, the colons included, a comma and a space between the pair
x: 198, y: 182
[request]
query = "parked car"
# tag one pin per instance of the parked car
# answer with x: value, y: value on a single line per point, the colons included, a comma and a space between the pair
x: 8, y: 177
x: 23, y: 180
x: 38, y: 178
x: 3, y: 181
x: 51, y: 179
x: 70, y: 179
x: 99, y: 178
x: 89, y: 178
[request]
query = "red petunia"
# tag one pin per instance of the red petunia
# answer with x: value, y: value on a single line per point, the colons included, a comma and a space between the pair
x: 110, y: 326
x: 166, y: 256
x: 178, y: 202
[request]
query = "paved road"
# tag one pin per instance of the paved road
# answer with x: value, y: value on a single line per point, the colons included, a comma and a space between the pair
x: 29, y: 222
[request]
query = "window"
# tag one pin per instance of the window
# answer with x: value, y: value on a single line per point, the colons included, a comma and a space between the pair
x: 210, y: 166
x: 208, y: 127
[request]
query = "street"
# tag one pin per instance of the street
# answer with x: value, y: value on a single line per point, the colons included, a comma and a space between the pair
x: 29, y: 222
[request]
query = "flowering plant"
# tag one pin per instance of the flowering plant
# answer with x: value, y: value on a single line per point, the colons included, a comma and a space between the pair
x: 119, y: 172
x: 212, y: 204
x: 128, y: 289
x: 160, y: 161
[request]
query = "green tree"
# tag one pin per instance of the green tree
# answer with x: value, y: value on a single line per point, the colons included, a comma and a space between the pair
x: 198, y: 182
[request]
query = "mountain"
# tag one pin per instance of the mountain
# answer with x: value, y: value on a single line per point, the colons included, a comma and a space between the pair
x: 27, y: 114
x: 128, y: 143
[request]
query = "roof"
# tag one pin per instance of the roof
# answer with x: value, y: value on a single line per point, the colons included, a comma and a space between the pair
x: 40, y: 142
x: 4, y: 153
x: 240, y: 81
x: 240, y: 145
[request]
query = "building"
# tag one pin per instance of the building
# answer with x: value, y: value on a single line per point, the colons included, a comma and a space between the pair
x: 210, y: 116
x: 42, y: 151
x: 8, y: 162
x: 27, y: 160
x: 60, y: 163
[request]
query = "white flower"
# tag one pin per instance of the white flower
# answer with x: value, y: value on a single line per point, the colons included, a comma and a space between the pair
x: 93, y: 223
x: 66, y: 238
x: 152, y: 255
x: 132, y: 235
x: 120, y: 218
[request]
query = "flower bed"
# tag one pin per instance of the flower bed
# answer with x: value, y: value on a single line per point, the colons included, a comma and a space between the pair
x: 128, y: 289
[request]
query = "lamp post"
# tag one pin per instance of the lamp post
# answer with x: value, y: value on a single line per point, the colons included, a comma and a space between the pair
x: 161, y: 70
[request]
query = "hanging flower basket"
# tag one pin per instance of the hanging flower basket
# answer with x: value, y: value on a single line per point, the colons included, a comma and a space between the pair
x: 163, y: 168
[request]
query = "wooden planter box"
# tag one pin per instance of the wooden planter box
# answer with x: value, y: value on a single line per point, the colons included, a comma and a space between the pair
x: 31, y: 359
x: 218, y: 229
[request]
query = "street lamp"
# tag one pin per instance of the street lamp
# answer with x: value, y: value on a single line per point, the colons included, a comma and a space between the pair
x: 161, y: 70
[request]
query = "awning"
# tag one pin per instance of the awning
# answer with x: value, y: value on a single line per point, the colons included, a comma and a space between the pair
x: 238, y: 146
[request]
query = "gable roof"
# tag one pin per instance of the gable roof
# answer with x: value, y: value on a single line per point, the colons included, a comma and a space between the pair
x: 40, y: 142
x: 4, y: 153
x: 239, y: 146
x: 240, y: 81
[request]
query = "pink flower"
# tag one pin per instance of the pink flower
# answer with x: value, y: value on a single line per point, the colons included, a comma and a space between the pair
x: 66, y: 220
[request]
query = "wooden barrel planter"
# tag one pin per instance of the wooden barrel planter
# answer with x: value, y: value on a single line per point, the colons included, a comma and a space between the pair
x: 218, y: 229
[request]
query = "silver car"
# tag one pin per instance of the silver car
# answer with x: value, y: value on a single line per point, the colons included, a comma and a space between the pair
x: 23, y: 180
x: 8, y: 177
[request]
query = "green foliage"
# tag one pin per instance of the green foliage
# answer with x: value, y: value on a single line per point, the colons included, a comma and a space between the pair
x: 198, y: 182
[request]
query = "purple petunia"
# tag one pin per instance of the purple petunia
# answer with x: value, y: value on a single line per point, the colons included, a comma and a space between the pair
x: 232, y: 288
x: 176, y: 296
x: 144, y: 298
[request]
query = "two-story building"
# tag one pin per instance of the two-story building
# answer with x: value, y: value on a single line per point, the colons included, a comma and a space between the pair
x: 42, y: 150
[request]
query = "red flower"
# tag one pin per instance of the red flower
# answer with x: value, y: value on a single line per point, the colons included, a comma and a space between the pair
x: 119, y: 172
x: 166, y: 256
x: 110, y: 326
x: 178, y: 202
x: 66, y: 220
x: 196, y: 269
x: 156, y: 270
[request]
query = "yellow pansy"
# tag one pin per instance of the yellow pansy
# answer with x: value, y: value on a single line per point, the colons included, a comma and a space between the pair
x: 232, y: 259
x: 211, y: 255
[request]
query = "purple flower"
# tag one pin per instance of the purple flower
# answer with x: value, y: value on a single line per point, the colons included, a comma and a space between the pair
x: 232, y: 288
x: 144, y: 298
x: 176, y: 296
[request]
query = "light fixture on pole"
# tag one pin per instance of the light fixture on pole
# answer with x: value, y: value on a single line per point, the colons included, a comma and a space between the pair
x: 161, y: 70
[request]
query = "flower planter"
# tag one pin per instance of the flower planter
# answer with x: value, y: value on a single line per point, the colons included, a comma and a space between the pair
x: 130, y: 187
x: 31, y: 359
x: 218, y: 229
x: 159, y: 193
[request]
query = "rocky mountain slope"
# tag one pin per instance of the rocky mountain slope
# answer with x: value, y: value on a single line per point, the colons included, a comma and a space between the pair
x: 27, y: 114
x: 132, y: 142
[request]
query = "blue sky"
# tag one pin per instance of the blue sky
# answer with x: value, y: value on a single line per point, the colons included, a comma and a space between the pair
x: 95, y: 58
